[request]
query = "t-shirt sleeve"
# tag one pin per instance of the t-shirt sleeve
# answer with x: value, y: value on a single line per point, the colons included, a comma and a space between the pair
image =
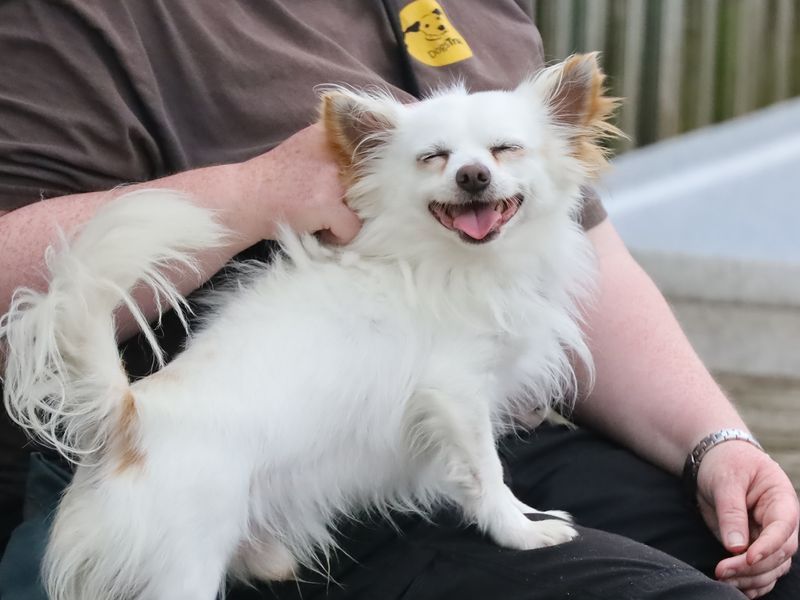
x: 591, y: 211
x: 70, y: 117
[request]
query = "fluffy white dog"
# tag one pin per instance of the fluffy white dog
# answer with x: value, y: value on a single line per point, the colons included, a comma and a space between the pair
x: 336, y: 380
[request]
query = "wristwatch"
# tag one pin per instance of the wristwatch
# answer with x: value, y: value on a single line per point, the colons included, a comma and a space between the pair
x: 692, y: 464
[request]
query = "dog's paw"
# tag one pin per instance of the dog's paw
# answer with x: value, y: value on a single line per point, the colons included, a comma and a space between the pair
x: 524, y: 508
x: 539, y: 534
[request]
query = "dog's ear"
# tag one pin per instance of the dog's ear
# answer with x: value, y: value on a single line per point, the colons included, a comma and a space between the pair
x: 573, y: 94
x: 413, y: 28
x: 357, y: 125
x: 436, y: 11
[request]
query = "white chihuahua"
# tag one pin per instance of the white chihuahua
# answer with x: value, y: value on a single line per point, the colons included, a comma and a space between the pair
x: 375, y: 377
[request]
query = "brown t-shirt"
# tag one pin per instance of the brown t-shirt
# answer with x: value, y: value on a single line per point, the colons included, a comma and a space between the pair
x: 95, y: 93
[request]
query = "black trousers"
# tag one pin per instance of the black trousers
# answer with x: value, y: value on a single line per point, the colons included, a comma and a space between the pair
x: 640, y: 539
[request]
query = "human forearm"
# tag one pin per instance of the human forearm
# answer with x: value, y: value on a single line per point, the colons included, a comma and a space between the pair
x: 652, y: 392
x: 26, y: 232
x: 297, y: 184
x: 654, y: 395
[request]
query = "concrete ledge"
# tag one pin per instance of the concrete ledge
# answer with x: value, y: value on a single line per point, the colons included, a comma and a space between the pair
x: 714, y: 218
x: 744, y: 339
x: 695, y: 277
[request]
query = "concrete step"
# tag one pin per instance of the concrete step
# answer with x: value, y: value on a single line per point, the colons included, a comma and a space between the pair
x: 714, y: 217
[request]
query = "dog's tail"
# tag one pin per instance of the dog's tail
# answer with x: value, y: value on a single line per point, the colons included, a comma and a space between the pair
x: 64, y: 377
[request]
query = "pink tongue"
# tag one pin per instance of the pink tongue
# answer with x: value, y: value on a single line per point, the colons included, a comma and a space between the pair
x: 477, y: 223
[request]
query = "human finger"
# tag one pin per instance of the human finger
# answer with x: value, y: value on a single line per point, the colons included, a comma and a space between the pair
x: 737, y: 566
x: 761, y: 580
x: 760, y: 591
x: 773, y: 537
x: 731, y: 509
x: 732, y: 567
x: 343, y: 226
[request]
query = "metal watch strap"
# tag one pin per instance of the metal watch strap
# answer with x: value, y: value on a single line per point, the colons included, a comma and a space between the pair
x: 692, y: 464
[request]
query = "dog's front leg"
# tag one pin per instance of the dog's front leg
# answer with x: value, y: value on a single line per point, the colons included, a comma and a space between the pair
x: 456, y: 436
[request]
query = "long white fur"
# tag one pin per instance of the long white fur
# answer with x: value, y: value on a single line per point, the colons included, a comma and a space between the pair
x: 64, y: 376
x: 330, y: 383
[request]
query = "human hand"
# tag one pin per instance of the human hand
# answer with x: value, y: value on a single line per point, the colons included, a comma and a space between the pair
x: 297, y: 183
x: 750, y: 505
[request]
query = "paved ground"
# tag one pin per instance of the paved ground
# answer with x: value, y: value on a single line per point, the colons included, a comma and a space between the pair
x: 727, y: 192
x: 771, y: 407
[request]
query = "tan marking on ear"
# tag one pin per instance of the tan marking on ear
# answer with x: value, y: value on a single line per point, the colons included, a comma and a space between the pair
x: 130, y: 455
x: 591, y: 114
x: 337, y: 140
x: 353, y: 129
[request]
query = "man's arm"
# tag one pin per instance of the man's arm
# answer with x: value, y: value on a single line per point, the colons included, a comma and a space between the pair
x: 653, y: 394
x: 250, y: 199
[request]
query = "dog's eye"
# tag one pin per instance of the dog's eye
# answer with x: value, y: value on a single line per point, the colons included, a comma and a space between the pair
x: 431, y: 156
x: 501, y: 148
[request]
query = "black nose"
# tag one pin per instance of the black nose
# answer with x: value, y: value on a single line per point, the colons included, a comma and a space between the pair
x: 473, y: 178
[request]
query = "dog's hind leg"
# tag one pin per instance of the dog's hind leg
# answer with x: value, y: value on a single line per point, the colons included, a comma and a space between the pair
x: 202, y: 515
x: 195, y: 578
x: 193, y: 556
x: 165, y: 529
x: 456, y: 435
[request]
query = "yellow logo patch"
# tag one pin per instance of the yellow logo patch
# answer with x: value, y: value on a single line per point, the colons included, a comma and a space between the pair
x: 430, y: 36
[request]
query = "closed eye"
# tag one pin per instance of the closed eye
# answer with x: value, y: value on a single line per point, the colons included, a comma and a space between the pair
x: 503, y: 148
x: 427, y: 157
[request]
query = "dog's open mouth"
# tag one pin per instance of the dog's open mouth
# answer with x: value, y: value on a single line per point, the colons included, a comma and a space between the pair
x: 476, y: 222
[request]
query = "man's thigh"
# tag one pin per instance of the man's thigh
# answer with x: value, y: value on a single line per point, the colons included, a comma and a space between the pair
x: 606, y: 487
x: 416, y: 559
x: 448, y: 560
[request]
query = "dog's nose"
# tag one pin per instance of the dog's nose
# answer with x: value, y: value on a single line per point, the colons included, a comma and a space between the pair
x: 473, y: 178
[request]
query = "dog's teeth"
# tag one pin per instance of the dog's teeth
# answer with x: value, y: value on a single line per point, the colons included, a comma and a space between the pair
x: 499, y: 206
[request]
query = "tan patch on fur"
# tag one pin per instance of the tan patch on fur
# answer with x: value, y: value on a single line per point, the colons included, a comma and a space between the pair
x: 594, y: 110
x: 130, y: 455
